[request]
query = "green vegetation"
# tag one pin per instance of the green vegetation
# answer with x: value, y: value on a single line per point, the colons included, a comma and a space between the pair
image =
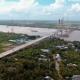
x: 25, y: 64
x: 16, y: 39
x: 4, y: 40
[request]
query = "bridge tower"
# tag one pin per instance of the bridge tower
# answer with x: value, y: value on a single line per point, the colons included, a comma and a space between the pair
x: 63, y: 29
x: 60, y: 27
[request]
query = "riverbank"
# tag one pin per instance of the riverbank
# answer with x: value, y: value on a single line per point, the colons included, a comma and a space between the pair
x: 73, y: 36
x: 27, y: 30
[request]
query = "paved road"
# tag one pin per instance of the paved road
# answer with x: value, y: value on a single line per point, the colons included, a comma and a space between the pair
x: 22, y: 46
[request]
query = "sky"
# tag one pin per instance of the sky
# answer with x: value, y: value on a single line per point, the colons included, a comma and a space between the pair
x: 39, y: 9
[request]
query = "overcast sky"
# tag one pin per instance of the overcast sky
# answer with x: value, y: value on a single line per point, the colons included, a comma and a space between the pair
x: 39, y: 9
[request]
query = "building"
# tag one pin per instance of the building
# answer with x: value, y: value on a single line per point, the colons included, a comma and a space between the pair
x: 72, y: 65
x: 76, y: 77
x: 62, y: 47
x: 48, y: 78
x: 58, y: 58
x: 45, y: 50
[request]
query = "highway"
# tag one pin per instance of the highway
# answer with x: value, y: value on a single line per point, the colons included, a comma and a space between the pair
x: 18, y: 48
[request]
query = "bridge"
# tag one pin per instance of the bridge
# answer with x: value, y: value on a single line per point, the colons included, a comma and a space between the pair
x: 23, y: 46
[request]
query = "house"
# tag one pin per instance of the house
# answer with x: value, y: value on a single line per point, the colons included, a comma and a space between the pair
x: 13, y: 41
x: 62, y: 47
x: 18, y: 41
x: 43, y: 58
x: 72, y: 65
x: 76, y: 77
x: 71, y: 44
x: 48, y: 78
x: 57, y: 57
x: 45, y: 50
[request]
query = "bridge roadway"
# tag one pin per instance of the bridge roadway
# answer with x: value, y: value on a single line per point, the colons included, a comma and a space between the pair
x: 18, y: 48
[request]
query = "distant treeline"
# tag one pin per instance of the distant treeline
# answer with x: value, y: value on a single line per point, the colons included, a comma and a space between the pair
x: 34, y: 23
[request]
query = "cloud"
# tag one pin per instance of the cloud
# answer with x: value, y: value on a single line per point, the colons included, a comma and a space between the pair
x: 16, y: 6
x: 25, y: 5
x: 54, y: 6
x: 33, y: 9
x: 72, y: 10
x: 75, y: 7
x: 46, y: 10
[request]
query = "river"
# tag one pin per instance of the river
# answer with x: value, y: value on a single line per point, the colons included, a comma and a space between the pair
x: 73, y: 36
